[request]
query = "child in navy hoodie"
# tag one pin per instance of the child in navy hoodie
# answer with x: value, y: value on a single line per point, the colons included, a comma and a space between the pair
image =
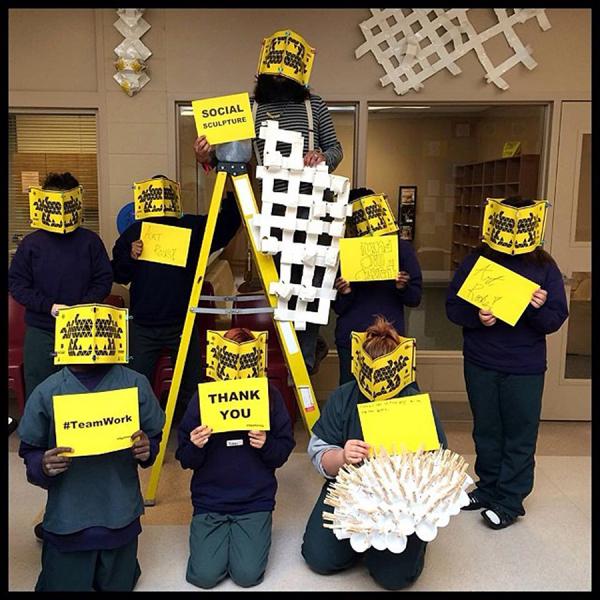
x: 504, y: 370
x: 233, y: 490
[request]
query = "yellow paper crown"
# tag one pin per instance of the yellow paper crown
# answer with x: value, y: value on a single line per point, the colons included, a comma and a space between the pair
x: 383, y: 377
x: 160, y: 197
x: 514, y: 230
x: 286, y: 53
x: 227, y: 359
x: 59, y: 211
x: 91, y: 334
x: 371, y: 215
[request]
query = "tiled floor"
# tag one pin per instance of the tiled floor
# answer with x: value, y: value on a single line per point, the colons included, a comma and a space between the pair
x: 548, y: 549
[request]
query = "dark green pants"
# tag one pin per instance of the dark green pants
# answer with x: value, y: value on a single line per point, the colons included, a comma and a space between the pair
x: 234, y: 545
x: 145, y: 345
x: 37, y: 357
x: 93, y: 570
x: 506, y: 414
x: 325, y: 554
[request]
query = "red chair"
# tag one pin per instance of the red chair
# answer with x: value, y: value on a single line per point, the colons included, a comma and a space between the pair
x: 163, y: 371
x: 16, y: 338
x: 277, y: 370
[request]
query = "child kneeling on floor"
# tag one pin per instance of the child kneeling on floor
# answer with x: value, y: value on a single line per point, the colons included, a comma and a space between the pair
x: 233, y: 486
x: 92, y: 517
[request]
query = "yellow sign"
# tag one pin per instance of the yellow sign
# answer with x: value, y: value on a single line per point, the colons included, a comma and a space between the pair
x: 224, y: 119
x: 385, y: 376
x: 227, y: 359
x: 158, y: 197
x: 235, y: 404
x: 399, y: 423
x: 287, y: 54
x: 165, y: 244
x: 371, y: 258
x: 511, y: 149
x: 513, y: 230
x: 371, y: 215
x: 97, y: 422
x: 91, y: 334
x: 493, y: 287
x: 56, y: 211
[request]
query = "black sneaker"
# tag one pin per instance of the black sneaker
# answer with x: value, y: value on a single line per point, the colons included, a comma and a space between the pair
x: 38, y: 531
x: 474, y: 502
x: 497, y: 519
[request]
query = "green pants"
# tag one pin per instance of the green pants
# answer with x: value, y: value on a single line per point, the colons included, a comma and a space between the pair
x: 325, y: 554
x: 37, y: 357
x: 92, y: 570
x: 234, y: 545
x: 145, y: 345
x: 506, y: 415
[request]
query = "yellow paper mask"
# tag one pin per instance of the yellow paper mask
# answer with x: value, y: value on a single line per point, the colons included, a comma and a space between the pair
x: 158, y: 197
x: 371, y: 215
x: 286, y: 53
x: 384, y: 377
x: 227, y: 359
x: 90, y: 334
x: 514, y: 230
x: 59, y: 211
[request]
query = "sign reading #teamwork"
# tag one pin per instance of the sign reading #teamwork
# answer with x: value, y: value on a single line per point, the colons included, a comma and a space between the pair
x: 235, y: 404
x: 224, y: 118
x: 96, y: 423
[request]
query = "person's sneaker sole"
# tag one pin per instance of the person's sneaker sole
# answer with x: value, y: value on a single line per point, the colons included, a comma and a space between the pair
x: 504, y: 522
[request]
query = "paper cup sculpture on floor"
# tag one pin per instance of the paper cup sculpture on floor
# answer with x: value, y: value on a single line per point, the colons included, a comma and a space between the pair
x: 304, y: 227
x: 390, y: 497
x: 56, y: 211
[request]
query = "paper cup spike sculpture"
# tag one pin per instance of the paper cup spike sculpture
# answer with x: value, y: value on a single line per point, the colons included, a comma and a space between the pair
x: 390, y: 497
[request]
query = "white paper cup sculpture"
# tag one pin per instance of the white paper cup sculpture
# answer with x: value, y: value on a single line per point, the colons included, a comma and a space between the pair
x: 389, y: 497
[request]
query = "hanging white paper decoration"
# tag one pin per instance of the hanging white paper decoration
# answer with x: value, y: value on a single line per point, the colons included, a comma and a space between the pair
x: 388, y: 498
x: 132, y: 53
x: 412, y: 44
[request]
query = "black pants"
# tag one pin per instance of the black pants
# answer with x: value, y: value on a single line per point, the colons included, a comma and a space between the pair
x: 325, y: 554
x: 345, y: 359
x: 506, y: 414
x: 91, y: 570
x: 37, y: 357
x: 145, y: 345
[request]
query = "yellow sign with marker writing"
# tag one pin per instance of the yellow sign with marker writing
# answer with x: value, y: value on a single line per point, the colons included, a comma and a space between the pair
x: 511, y: 149
x: 165, y: 244
x: 224, y: 119
x: 235, y: 404
x: 96, y: 422
x: 369, y: 258
x: 399, y: 423
x: 493, y: 287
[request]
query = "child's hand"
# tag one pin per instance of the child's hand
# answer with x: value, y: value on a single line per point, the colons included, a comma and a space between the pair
x: 402, y: 280
x: 200, y: 435
x: 55, y: 464
x: 486, y: 317
x: 202, y: 149
x: 342, y: 286
x: 141, y: 446
x: 136, y: 249
x: 539, y: 298
x: 355, y: 451
x: 55, y: 308
x: 257, y: 438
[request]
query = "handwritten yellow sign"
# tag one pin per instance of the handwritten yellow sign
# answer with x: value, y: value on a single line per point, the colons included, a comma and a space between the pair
x: 511, y: 149
x: 398, y: 423
x: 97, y: 422
x: 165, y: 244
x: 493, y: 287
x: 369, y: 258
x: 225, y: 118
x: 235, y: 404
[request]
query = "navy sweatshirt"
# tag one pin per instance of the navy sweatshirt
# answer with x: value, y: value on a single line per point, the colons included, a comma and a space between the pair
x: 519, y: 350
x: 356, y: 310
x: 237, y: 479
x: 159, y: 294
x: 52, y: 268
